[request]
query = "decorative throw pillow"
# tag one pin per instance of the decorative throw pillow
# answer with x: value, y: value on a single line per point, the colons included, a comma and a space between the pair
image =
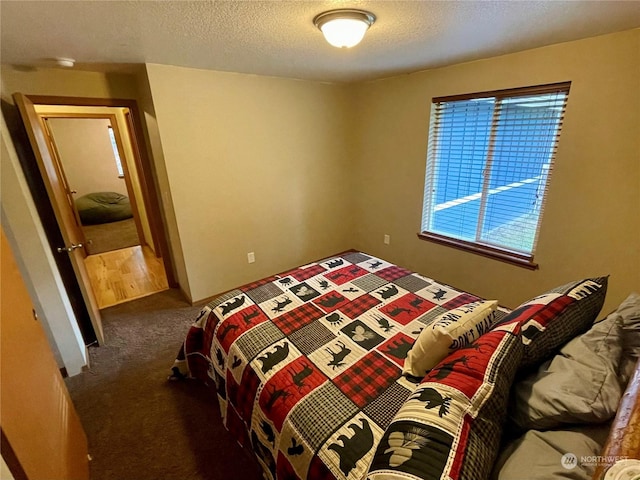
x: 578, y: 385
x: 454, y: 329
x: 555, y: 317
x: 450, y: 427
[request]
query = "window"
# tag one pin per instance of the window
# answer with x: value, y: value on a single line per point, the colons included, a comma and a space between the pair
x: 489, y: 159
x: 114, y: 146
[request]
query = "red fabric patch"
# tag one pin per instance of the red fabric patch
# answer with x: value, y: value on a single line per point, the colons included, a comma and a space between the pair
x: 464, y: 369
x: 552, y: 309
x: 397, y: 347
x: 247, y: 392
x: 236, y: 427
x: 407, y: 308
x: 284, y: 468
x: 319, y: 471
x: 345, y: 274
x: 330, y: 301
x: 460, y: 455
x: 301, y: 274
x: 298, y: 317
x: 392, y: 273
x: 288, y: 387
x: 367, y: 378
x: 237, y: 324
x: 358, y: 306
x: 460, y: 300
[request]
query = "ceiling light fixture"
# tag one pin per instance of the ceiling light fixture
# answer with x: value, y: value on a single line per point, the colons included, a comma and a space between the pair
x: 65, y: 62
x: 345, y: 27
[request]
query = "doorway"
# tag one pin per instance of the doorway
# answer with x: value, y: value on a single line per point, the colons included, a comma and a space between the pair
x: 48, y: 185
x: 96, y: 161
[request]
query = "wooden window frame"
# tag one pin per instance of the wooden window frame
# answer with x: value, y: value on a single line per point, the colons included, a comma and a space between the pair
x: 503, y: 254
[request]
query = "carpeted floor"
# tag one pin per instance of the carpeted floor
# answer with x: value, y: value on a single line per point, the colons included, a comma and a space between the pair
x: 105, y: 237
x: 140, y: 425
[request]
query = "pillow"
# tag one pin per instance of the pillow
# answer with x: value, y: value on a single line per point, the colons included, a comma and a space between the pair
x: 450, y: 426
x: 555, y: 317
x: 544, y: 455
x: 578, y: 385
x: 629, y: 314
x: 452, y: 330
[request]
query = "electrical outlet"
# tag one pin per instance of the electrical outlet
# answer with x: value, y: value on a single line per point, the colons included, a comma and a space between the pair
x: 251, y: 257
x: 387, y: 239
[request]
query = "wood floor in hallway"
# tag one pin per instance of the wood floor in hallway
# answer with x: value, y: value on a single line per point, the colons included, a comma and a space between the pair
x: 122, y: 275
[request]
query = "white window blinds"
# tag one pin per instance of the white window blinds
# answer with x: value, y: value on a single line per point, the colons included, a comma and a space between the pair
x: 488, y: 165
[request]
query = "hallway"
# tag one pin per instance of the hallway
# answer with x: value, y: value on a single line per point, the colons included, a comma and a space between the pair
x: 122, y: 275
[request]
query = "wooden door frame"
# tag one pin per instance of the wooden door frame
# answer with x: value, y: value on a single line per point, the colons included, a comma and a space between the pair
x: 146, y: 169
x: 125, y: 167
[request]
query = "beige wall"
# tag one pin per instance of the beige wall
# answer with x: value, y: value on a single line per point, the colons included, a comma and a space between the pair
x: 154, y: 147
x: 255, y: 164
x: 66, y: 83
x: 591, y: 225
x: 86, y: 155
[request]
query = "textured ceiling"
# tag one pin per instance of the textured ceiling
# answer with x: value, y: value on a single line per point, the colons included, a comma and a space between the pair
x: 278, y: 37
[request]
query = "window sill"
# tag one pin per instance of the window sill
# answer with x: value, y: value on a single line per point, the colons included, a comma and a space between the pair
x: 520, y: 260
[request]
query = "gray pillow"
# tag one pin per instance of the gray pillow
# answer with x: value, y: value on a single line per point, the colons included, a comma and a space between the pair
x: 629, y: 313
x: 539, y: 455
x: 578, y: 385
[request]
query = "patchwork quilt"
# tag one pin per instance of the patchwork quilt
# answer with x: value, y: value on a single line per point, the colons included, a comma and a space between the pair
x: 308, y: 364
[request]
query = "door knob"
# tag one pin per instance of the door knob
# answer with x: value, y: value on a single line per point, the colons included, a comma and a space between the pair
x: 71, y: 248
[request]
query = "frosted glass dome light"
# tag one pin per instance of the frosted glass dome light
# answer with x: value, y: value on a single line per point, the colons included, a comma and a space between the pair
x: 344, y: 28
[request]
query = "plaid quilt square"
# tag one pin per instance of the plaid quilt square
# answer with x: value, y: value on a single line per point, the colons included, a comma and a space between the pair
x: 311, y: 337
x: 305, y: 273
x: 318, y: 414
x: 360, y: 305
x: 261, y: 337
x: 356, y: 257
x: 369, y: 282
x: 431, y: 315
x: 294, y: 319
x: 412, y: 283
x: 383, y: 409
x: 364, y: 380
x: 393, y: 273
x: 460, y: 300
x: 264, y: 292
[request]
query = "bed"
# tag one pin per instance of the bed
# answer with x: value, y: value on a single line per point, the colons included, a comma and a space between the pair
x: 352, y: 367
